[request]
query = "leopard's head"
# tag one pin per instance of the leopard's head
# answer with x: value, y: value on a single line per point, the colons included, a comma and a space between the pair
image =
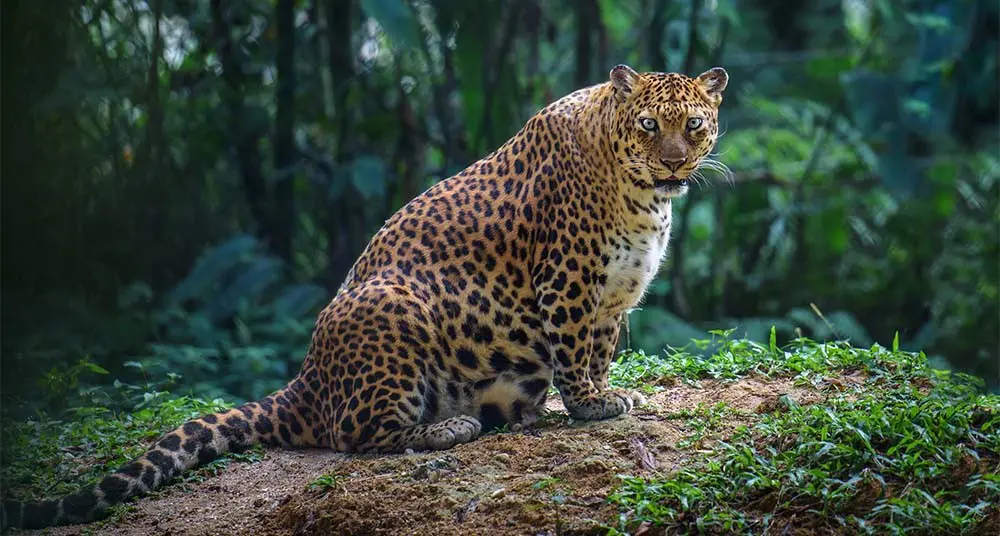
x: 665, y: 125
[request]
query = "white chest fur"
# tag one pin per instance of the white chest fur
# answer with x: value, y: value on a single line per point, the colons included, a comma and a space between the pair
x: 634, y: 263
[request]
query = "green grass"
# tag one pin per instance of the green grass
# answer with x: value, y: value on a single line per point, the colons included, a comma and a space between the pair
x: 702, y: 421
x: 912, y: 450
x: 45, y: 458
x: 732, y: 359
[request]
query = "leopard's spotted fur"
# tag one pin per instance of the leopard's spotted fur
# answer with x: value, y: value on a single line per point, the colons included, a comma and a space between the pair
x: 477, y: 295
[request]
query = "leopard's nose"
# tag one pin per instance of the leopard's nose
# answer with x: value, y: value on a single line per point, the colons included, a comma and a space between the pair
x: 674, y: 165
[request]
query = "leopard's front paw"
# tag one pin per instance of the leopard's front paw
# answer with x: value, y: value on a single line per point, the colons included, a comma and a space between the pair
x: 603, y: 405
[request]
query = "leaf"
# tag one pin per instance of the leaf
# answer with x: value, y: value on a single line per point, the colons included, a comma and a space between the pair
x: 211, y: 268
x: 368, y: 176
x: 94, y: 367
x: 830, y: 226
x: 249, y: 285
x: 759, y: 328
x: 397, y: 19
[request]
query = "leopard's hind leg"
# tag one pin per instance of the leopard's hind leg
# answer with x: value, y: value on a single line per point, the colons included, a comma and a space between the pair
x: 391, y: 414
x: 386, y: 345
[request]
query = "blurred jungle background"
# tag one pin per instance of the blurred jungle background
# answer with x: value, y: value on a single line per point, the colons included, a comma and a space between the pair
x: 187, y: 182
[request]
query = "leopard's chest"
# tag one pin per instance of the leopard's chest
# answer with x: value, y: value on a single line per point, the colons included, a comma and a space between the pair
x: 632, y: 266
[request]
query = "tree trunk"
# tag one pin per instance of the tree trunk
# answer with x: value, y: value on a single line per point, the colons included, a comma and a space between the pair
x: 284, y: 135
x: 785, y: 20
x: 344, y: 221
x: 657, y: 59
x: 247, y: 151
x: 692, y: 44
x: 154, y: 124
x: 586, y: 15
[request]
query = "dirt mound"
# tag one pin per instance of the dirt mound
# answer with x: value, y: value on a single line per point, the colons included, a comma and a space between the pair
x: 548, y: 480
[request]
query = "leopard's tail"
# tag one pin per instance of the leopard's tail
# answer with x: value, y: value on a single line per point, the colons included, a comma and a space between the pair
x: 280, y: 419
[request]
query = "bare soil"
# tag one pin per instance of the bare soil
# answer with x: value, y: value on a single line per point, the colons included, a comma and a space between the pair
x: 551, y: 479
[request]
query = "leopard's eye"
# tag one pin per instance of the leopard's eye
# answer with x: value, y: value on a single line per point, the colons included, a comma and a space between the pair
x: 648, y: 123
x: 694, y: 123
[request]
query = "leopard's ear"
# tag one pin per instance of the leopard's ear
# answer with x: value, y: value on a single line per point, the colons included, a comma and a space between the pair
x: 624, y: 79
x: 714, y: 82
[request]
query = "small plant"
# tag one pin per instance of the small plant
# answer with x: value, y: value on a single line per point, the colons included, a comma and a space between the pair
x: 545, y: 483
x: 326, y: 482
x: 502, y: 429
x: 61, y: 381
x: 555, y: 495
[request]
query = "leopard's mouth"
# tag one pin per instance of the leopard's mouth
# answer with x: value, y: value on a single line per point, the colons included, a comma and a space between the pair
x: 671, y: 183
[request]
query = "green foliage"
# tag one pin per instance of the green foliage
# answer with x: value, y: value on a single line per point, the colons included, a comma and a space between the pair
x: 911, y: 450
x: 233, y: 327
x: 60, y: 382
x: 726, y: 358
x: 546, y: 483
x: 46, y: 457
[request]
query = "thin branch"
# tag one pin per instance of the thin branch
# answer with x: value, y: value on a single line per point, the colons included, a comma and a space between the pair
x: 407, y: 148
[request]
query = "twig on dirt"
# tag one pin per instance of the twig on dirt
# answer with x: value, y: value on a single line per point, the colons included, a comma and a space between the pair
x: 644, y: 458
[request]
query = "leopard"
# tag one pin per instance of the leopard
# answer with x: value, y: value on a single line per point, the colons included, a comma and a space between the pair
x: 476, y: 297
